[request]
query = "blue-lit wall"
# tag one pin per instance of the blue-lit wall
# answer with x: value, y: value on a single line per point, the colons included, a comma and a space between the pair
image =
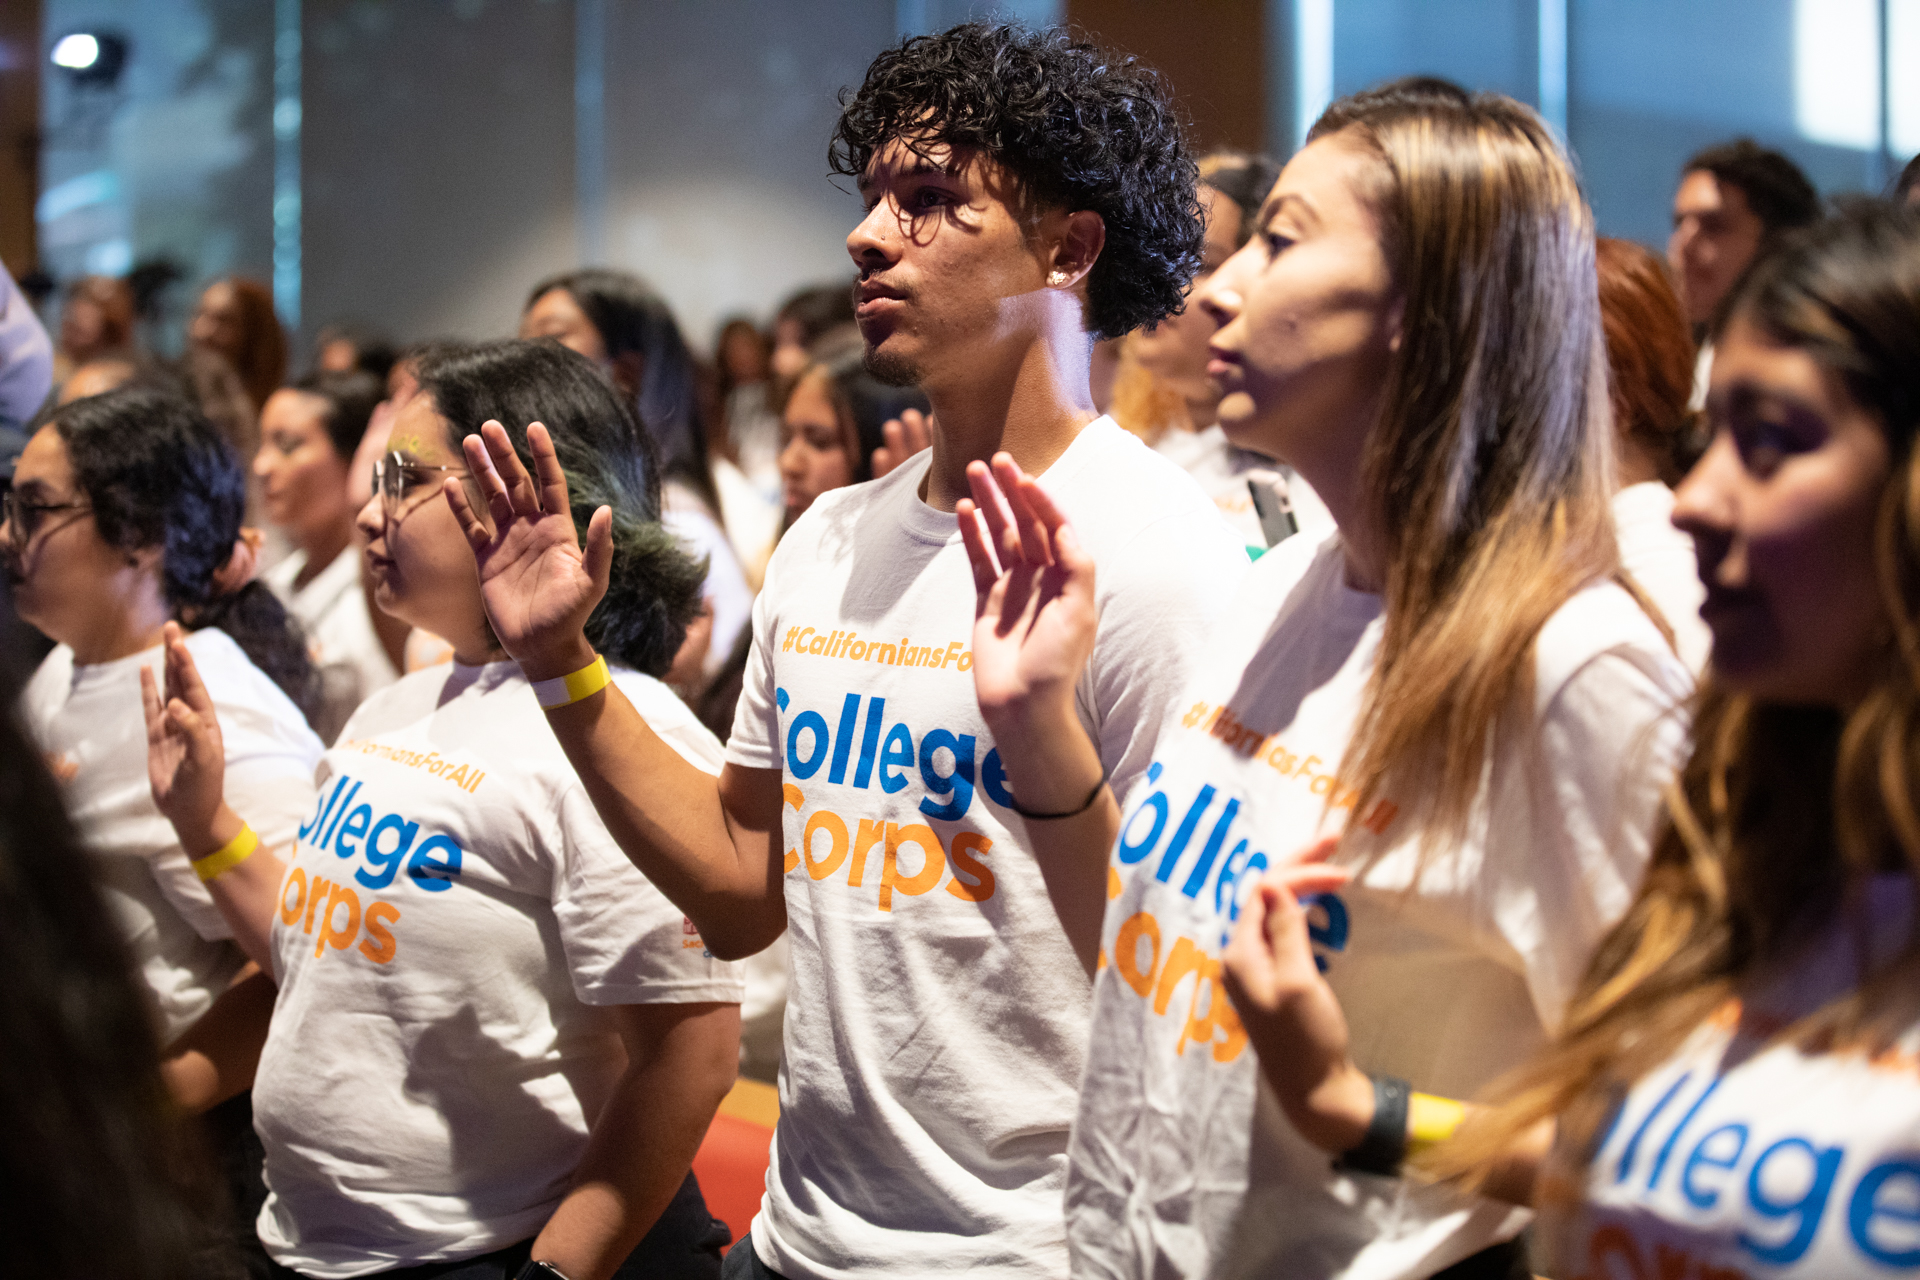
x: 441, y: 169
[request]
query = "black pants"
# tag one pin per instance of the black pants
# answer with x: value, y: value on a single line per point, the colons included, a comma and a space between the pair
x: 685, y: 1244
x: 1505, y: 1261
x: 235, y: 1147
x: 744, y: 1264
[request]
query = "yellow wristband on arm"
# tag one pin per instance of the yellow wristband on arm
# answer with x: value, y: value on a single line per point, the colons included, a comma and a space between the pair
x: 566, y: 690
x: 1431, y: 1120
x: 227, y: 856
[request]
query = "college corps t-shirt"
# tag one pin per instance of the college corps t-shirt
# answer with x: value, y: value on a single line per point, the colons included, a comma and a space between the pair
x: 1183, y: 1163
x: 937, y: 1020
x: 1746, y: 1158
x: 452, y: 918
x: 88, y: 720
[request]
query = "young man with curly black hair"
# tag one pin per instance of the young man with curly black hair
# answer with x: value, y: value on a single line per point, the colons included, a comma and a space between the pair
x: 1025, y: 194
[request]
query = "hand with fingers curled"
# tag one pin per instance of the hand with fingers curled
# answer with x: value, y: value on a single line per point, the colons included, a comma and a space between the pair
x: 539, y: 583
x: 186, y: 757
x: 1291, y: 1015
x: 905, y: 436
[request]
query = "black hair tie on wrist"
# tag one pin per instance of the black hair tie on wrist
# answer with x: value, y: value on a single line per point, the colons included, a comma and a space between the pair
x: 1384, y: 1148
x: 1070, y: 813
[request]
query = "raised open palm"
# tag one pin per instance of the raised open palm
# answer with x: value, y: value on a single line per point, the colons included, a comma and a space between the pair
x: 186, y: 757
x: 538, y: 583
x: 1034, y: 614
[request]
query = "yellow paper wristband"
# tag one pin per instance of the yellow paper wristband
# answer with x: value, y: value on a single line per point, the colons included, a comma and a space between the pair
x: 572, y: 687
x: 1431, y: 1120
x: 227, y: 856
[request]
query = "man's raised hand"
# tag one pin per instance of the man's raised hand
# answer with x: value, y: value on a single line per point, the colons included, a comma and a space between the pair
x: 539, y: 585
x: 1034, y: 612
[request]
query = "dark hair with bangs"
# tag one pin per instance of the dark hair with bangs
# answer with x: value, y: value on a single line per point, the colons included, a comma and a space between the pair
x: 1077, y: 128
x: 157, y: 473
x: 351, y: 398
x: 654, y: 588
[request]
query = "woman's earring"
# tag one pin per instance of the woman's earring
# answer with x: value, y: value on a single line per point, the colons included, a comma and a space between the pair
x: 1057, y: 278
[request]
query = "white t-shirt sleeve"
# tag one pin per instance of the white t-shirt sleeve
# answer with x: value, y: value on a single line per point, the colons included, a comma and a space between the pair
x: 1609, y: 741
x: 1159, y: 598
x: 755, y: 742
x: 625, y: 943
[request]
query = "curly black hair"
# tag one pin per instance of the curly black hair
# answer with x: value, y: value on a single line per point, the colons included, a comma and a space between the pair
x: 1076, y: 127
x: 157, y: 473
x: 609, y: 460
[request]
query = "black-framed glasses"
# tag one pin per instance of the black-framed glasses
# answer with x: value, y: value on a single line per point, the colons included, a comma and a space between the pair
x: 396, y: 479
x: 23, y: 517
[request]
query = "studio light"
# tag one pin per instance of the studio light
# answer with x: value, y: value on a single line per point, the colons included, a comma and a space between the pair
x: 77, y: 52
x: 91, y: 57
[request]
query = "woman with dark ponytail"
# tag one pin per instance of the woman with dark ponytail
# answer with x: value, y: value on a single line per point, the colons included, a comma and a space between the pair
x: 123, y: 521
x: 520, y: 1037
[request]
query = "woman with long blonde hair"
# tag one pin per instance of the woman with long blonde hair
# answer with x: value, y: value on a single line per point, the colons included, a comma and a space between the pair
x: 1733, y: 1090
x: 1451, y: 694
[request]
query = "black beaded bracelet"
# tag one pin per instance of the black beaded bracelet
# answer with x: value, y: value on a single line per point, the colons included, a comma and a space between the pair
x: 1070, y: 813
x: 1384, y: 1147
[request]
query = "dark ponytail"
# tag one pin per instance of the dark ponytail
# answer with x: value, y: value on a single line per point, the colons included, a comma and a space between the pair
x: 157, y: 473
x: 609, y: 461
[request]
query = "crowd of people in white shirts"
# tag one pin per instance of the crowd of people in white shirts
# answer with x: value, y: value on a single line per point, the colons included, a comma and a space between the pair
x: 1203, y: 719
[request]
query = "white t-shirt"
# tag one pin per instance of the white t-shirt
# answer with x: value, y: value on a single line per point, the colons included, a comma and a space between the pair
x: 437, y: 1052
x: 340, y: 636
x: 726, y: 586
x: 1737, y: 1159
x: 1183, y: 1163
x: 1661, y: 559
x: 938, y: 1018
x: 1221, y: 471
x: 89, y: 722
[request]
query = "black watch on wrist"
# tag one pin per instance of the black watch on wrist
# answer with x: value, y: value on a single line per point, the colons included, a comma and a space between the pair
x: 540, y: 1271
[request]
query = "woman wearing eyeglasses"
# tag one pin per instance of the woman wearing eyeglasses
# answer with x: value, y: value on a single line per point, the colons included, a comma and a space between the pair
x: 496, y: 1046
x: 125, y: 517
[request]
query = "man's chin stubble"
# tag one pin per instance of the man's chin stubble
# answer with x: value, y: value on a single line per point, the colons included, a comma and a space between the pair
x: 891, y: 370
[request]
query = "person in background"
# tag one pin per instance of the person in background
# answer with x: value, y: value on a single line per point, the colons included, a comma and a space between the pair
x: 104, y: 1177
x: 1450, y: 696
x: 96, y: 320
x: 495, y: 1043
x: 1025, y: 195
x: 1162, y: 391
x: 235, y: 320
x: 743, y: 358
x: 806, y: 318
x: 832, y: 420
x: 1906, y: 187
x: 124, y: 516
x: 1650, y: 359
x: 343, y: 348
x: 613, y: 319
x: 309, y: 433
x: 26, y: 369
x: 1734, y: 202
x: 1731, y: 1092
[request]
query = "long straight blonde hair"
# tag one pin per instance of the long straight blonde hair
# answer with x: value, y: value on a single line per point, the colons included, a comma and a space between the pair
x: 1490, y: 468
x: 1783, y: 812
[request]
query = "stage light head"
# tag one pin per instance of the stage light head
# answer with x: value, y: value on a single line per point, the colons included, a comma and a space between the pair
x: 91, y: 57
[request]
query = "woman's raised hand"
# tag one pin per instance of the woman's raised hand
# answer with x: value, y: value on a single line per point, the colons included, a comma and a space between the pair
x: 186, y: 759
x: 1034, y: 613
x: 1290, y: 1013
x: 538, y: 583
